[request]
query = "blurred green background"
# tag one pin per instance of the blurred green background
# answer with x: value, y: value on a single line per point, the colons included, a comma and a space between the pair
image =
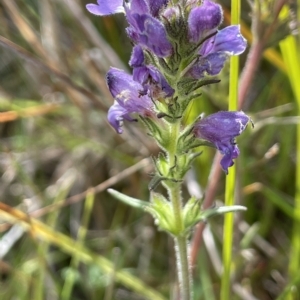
x: 58, y: 155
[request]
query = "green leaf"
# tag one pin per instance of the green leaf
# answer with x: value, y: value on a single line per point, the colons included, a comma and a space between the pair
x: 220, y: 211
x: 129, y: 200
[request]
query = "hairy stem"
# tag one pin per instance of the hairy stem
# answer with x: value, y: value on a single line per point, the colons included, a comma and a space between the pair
x: 183, y: 268
x: 181, y: 244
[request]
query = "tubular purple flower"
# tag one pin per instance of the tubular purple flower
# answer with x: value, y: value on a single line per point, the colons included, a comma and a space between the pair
x: 147, y: 6
x: 149, y: 33
x: 153, y: 81
x: 144, y: 26
x: 105, y: 7
x: 229, y: 40
x: 171, y: 13
x: 216, y: 50
x: 128, y: 100
x: 156, y: 6
x: 140, y: 7
x: 148, y: 76
x: 137, y: 57
x: 203, y: 20
x: 220, y: 129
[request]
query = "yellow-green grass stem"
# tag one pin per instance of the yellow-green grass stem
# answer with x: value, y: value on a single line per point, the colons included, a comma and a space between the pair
x: 290, y: 51
x: 230, y: 179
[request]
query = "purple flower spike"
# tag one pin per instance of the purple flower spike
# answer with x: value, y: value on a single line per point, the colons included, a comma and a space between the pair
x: 127, y: 99
x: 203, y: 20
x: 106, y: 7
x: 221, y: 129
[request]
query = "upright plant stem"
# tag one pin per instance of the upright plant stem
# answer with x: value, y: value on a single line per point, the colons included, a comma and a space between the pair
x: 184, y: 274
x: 181, y: 247
x: 181, y: 244
x: 230, y: 179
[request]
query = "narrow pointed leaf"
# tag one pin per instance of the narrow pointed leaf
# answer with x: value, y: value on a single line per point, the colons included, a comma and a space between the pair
x: 129, y: 200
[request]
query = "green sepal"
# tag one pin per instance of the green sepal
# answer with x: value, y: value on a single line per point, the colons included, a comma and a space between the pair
x: 137, y: 203
x: 162, y: 165
x: 166, y: 68
x: 187, y: 100
x: 191, y: 212
x: 198, y: 143
x: 187, y: 141
x: 156, y: 130
x: 185, y: 162
x: 163, y: 172
x: 191, y: 157
x: 187, y: 86
x: 154, y: 182
x: 176, y: 26
x: 196, y: 48
x: 186, y: 137
x: 162, y: 212
x: 174, y: 111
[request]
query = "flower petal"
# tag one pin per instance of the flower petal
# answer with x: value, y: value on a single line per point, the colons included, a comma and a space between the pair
x: 230, y: 40
x: 153, y: 81
x: 137, y: 57
x: 229, y: 154
x: 156, y: 5
x: 212, y: 64
x: 150, y: 33
x: 115, y: 116
x: 105, y: 7
x: 221, y: 129
x: 119, y: 81
x: 128, y: 99
x: 138, y: 6
x: 203, y: 19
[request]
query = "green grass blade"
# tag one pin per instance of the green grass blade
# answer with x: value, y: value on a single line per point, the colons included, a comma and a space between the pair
x: 290, y: 51
x: 230, y: 179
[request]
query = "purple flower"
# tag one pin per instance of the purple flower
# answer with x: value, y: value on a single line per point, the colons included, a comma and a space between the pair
x: 156, y: 6
x: 220, y: 129
x: 106, y: 7
x: 148, y: 76
x: 151, y: 7
x: 149, y: 32
x: 144, y: 26
x: 204, y: 21
x: 228, y: 40
x: 128, y: 100
x: 137, y: 58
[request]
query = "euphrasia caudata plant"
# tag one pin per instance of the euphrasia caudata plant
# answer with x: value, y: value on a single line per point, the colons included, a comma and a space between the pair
x: 178, y: 48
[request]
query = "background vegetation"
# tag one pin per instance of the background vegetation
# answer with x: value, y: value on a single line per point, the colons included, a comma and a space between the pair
x: 64, y: 237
